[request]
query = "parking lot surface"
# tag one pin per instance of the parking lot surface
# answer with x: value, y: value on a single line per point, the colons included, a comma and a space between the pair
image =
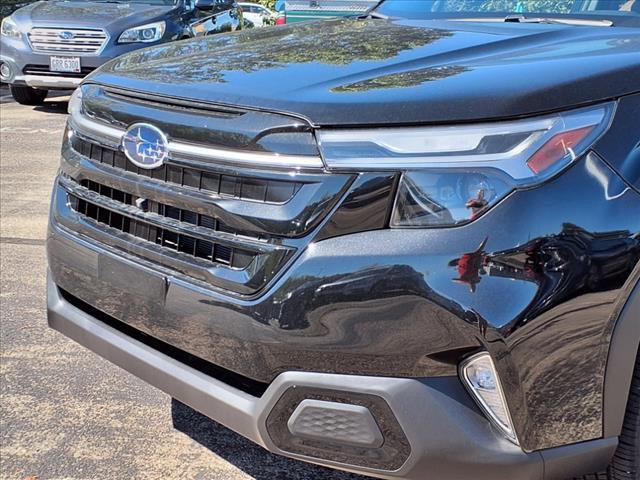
x: 65, y: 413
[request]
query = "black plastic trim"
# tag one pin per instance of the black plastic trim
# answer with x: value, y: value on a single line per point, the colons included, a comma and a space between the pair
x: 391, y: 455
x: 623, y: 351
x: 247, y: 385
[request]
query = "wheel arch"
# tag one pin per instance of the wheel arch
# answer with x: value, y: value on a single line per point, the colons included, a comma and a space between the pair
x: 623, y: 350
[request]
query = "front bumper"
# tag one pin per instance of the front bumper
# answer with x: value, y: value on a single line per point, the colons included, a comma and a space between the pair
x: 448, y: 438
x: 388, y: 302
x: 432, y: 425
x: 17, y: 55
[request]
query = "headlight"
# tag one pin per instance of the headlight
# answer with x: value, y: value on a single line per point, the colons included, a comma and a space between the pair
x: 451, y: 175
x: 9, y: 28
x: 151, y: 32
x: 75, y: 102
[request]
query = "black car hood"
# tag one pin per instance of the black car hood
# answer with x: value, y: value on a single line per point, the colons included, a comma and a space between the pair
x: 86, y: 14
x: 379, y: 72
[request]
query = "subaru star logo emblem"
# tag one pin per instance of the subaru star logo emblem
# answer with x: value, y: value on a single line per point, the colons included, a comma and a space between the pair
x: 66, y: 35
x: 145, y: 145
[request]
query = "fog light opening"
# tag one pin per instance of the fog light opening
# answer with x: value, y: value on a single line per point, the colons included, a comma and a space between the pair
x: 479, y: 376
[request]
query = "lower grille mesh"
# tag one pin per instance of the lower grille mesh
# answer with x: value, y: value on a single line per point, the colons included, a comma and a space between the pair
x: 45, y: 70
x: 203, y: 249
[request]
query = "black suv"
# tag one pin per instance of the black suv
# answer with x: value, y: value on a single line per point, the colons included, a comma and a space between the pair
x: 405, y: 245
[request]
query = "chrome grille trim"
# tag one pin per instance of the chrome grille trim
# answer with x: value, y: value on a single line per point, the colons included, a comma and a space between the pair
x: 112, y: 136
x: 85, y: 41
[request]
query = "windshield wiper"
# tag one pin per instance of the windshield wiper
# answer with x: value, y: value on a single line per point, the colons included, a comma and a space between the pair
x: 559, y: 21
x: 587, y: 22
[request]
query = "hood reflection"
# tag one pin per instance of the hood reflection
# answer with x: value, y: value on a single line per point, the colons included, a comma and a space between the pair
x: 337, y: 43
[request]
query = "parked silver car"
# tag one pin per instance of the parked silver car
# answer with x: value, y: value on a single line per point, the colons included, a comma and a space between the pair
x: 54, y: 44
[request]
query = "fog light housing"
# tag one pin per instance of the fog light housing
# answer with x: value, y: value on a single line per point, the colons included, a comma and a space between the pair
x: 5, y: 71
x: 480, y: 377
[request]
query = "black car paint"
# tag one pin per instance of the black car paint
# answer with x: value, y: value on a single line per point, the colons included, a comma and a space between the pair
x: 535, y: 281
x: 346, y: 72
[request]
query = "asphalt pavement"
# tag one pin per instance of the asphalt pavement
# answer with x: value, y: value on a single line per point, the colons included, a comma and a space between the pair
x: 66, y: 413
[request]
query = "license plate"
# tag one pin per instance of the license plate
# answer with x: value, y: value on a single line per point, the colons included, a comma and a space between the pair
x: 65, y: 64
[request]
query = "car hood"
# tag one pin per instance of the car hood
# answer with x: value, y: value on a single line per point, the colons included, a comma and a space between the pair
x: 353, y: 72
x: 68, y: 14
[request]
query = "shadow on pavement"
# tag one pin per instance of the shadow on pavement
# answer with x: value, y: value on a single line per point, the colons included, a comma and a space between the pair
x: 56, y: 101
x: 248, y: 457
x: 53, y: 106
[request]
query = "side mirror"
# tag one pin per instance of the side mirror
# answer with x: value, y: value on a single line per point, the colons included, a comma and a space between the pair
x: 205, y: 5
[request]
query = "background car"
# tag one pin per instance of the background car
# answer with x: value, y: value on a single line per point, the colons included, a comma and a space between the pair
x: 54, y: 44
x: 258, y: 14
x: 303, y: 10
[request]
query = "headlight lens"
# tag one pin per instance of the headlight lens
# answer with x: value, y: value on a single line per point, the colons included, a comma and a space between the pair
x: 9, y: 28
x: 75, y: 102
x: 151, y: 32
x: 451, y: 175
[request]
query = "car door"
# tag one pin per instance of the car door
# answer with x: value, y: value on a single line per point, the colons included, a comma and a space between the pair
x: 227, y: 18
x: 188, y: 15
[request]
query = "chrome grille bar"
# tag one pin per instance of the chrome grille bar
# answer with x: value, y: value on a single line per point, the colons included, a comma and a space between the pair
x: 82, y: 42
x: 174, y: 225
x: 112, y: 136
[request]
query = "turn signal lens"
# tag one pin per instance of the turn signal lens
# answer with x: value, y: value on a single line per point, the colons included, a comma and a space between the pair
x: 559, y: 147
x: 481, y: 379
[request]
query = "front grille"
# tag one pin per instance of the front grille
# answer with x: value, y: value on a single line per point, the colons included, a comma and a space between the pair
x: 230, y: 214
x: 243, y: 188
x: 45, y: 70
x: 179, y: 242
x: 82, y: 41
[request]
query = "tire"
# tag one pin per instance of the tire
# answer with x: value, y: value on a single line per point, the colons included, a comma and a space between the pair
x: 28, y: 95
x: 626, y: 461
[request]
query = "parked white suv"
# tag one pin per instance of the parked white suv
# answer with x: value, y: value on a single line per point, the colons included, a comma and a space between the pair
x: 258, y: 14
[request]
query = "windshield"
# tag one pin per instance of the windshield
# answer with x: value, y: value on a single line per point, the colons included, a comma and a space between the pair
x: 425, y: 9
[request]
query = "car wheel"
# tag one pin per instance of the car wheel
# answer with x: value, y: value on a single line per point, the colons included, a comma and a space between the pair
x: 626, y: 461
x: 28, y: 95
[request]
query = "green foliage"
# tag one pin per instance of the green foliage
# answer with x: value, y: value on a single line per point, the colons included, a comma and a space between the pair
x: 267, y: 3
x: 7, y: 7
